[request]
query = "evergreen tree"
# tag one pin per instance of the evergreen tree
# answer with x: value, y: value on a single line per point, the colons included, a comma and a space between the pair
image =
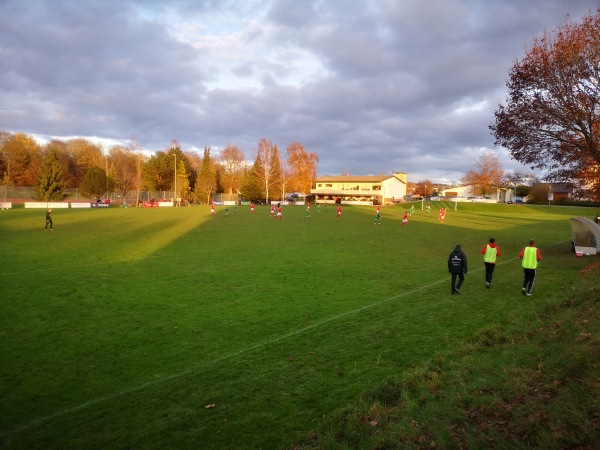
x: 207, y: 178
x: 275, y: 176
x: 95, y: 183
x: 158, y: 172
x: 252, y: 187
x: 50, y: 186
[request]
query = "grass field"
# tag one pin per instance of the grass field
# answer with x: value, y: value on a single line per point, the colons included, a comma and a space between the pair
x: 169, y: 328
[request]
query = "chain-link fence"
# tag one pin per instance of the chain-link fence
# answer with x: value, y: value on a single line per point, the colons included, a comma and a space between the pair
x: 21, y: 194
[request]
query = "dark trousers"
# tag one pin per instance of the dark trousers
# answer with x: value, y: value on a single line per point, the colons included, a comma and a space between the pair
x: 456, y: 286
x: 529, y: 279
x: 49, y: 222
x: 489, y: 271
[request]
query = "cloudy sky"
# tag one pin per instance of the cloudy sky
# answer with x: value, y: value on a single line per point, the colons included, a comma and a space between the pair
x: 371, y: 86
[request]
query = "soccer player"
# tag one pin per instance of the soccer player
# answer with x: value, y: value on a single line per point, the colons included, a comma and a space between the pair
x: 428, y: 207
x: 411, y: 210
x: 307, y: 215
x: 318, y: 208
x: 405, y: 218
x: 339, y: 212
x: 490, y: 252
x: 252, y: 207
x: 531, y: 256
x: 378, y: 216
x: 279, y: 213
x: 272, y: 213
x: 226, y: 210
x: 212, y: 209
x: 49, y: 219
x: 442, y: 214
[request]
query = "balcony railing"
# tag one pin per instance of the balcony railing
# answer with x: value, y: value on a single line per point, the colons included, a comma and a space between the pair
x: 330, y: 191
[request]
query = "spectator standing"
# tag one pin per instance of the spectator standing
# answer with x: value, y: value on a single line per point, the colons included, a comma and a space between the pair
x: 531, y: 257
x: 457, y: 266
x: 490, y: 252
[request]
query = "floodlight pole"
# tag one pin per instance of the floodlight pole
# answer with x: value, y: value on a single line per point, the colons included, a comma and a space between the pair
x: 175, y: 193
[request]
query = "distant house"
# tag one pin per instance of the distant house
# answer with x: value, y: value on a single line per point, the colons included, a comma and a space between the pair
x: 502, y: 194
x: 361, y: 189
x: 555, y: 191
x: 458, y: 191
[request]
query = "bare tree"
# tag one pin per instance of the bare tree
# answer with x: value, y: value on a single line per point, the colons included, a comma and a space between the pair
x: 265, y: 151
x: 124, y: 170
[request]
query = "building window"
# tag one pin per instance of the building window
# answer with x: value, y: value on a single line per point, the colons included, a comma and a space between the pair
x: 328, y: 185
x: 376, y: 187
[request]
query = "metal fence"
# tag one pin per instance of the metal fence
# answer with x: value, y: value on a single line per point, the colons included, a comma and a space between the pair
x: 27, y: 193
x: 19, y: 194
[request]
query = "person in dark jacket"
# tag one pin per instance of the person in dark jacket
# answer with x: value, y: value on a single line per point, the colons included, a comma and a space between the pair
x: 457, y: 266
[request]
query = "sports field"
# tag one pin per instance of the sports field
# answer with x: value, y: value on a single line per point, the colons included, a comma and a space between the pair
x: 169, y: 328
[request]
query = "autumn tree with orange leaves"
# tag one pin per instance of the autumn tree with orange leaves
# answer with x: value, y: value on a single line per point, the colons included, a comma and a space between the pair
x: 302, y: 166
x: 486, y: 176
x: 232, y: 161
x: 551, y: 119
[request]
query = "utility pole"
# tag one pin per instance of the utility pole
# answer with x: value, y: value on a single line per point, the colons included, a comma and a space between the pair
x: 175, y: 194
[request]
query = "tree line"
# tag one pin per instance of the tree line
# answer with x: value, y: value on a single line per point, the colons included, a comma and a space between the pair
x: 59, y: 166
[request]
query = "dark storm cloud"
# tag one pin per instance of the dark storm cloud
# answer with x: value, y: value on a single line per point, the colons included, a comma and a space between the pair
x: 370, y: 86
x: 93, y: 70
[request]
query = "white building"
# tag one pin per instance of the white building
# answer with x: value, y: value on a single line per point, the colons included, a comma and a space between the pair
x: 357, y: 189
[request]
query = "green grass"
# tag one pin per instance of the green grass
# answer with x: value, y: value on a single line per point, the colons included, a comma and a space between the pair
x: 525, y: 384
x: 120, y: 327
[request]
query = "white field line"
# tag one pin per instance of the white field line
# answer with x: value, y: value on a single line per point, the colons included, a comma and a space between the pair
x: 260, y: 344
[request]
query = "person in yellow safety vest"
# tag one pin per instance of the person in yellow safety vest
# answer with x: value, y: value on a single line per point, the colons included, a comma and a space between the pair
x: 530, y: 255
x: 490, y: 252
